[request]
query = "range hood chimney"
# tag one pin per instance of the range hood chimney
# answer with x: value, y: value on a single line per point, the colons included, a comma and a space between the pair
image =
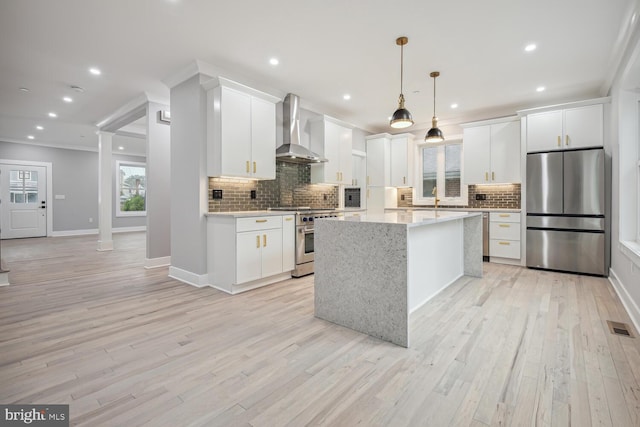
x: 291, y: 151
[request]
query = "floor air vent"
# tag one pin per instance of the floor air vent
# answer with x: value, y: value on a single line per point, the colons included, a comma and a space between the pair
x: 618, y: 328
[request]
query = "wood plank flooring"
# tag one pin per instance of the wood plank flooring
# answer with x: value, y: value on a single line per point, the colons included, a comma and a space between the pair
x: 125, y: 346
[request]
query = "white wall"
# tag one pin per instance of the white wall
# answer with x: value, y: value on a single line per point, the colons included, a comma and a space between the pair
x: 75, y: 175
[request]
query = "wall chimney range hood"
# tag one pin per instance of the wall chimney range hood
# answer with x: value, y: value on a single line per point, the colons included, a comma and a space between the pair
x: 291, y: 151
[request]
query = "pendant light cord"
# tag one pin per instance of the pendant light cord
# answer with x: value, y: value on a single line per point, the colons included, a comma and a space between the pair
x: 401, y: 66
x: 434, y: 97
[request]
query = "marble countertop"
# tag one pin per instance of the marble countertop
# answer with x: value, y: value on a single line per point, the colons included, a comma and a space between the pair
x: 424, y: 208
x: 249, y: 214
x: 409, y: 219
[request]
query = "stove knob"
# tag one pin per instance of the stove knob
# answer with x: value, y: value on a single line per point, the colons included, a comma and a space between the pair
x: 304, y: 219
x: 311, y: 219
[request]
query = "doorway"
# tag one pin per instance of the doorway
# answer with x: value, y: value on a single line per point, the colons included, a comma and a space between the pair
x: 24, y: 201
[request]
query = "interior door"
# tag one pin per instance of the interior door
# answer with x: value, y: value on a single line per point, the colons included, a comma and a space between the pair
x: 23, y: 201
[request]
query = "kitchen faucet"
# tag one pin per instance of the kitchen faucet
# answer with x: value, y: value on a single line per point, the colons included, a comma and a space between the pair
x: 434, y: 192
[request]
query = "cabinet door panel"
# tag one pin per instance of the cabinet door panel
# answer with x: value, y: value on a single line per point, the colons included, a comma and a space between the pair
x: 583, y: 127
x: 378, y: 169
x: 271, y: 252
x: 346, y: 145
x: 543, y: 131
x: 505, y: 153
x: 263, y: 138
x: 248, y: 256
x: 288, y: 243
x: 477, y: 155
x: 399, y: 166
x: 235, y: 113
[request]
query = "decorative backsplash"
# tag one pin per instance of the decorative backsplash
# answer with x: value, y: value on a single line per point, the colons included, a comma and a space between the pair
x: 291, y: 187
x: 505, y: 196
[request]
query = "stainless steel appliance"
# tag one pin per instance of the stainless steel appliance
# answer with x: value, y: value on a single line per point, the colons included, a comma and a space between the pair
x: 305, y: 219
x: 291, y: 150
x: 566, y: 211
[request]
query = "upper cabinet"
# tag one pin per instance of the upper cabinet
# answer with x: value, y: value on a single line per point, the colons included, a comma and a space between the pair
x: 390, y: 160
x: 492, y: 152
x: 241, y: 131
x: 580, y: 126
x: 332, y: 140
x: 358, y: 169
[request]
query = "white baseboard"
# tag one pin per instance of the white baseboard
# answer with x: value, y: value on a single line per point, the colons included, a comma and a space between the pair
x: 4, y: 278
x: 67, y: 233
x: 157, y: 262
x: 197, y: 280
x: 629, y: 304
x: 105, y: 245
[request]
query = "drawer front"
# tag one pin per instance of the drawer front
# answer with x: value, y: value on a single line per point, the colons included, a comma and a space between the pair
x: 504, y: 216
x: 504, y: 230
x: 504, y: 248
x: 258, y: 223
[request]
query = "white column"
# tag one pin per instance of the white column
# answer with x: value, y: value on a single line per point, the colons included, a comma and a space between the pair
x: 105, y: 190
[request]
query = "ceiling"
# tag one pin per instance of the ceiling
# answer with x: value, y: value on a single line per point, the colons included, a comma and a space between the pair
x: 325, y: 50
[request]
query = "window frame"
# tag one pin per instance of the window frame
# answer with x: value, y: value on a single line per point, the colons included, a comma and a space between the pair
x: 118, y: 211
x: 418, y: 198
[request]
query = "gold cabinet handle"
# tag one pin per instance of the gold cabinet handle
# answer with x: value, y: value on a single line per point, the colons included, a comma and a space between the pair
x: 505, y: 243
x: 261, y: 220
x: 404, y: 179
x: 504, y: 215
x: 559, y: 140
x: 493, y: 176
x: 255, y: 167
x: 264, y: 240
x: 566, y: 139
x: 505, y: 225
x: 257, y: 241
x: 337, y: 176
x: 288, y: 218
x: 486, y: 176
x: 247, y: 166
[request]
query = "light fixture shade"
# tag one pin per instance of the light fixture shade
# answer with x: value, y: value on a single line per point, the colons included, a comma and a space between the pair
x: 434, y: 134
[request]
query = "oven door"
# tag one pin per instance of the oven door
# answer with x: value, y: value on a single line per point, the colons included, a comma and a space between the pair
x: 304, y: 244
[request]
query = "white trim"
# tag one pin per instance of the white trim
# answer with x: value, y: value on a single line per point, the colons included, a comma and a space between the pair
x: 631, y: 250
x: 105, y: 245
x: 490, y: 121
x: 184, y: 276
x: 604, y: 100
x: 4, y: 279
x: 49, y: 167
x: 150, y: 263
x: 68, y: 233
x: 119, y: 213
x: 52, y: 145
x: 629, y: 304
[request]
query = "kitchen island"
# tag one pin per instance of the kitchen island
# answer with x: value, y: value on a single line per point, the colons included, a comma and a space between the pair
x: 373, y: 270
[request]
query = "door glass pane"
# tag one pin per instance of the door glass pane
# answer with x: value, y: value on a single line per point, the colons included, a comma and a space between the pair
x: 23, y: 186
x: 452, y: 156
x: 429, y: 170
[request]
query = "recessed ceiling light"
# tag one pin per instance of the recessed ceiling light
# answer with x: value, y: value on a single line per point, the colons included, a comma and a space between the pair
x: 530, y: 47
x: 454, y: 105
x: 121, y: 148
x: 53, y: 115
x: 30, y: 136
x: 24, y: 89
x: 274, y: 61
x: 540, y: 89
x: 95, y: 71
x: 39, y: 127
x: 67, y: 99
x: 346, y: 97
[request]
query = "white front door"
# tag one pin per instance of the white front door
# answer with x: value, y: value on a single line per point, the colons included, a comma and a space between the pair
x: 23, y: 201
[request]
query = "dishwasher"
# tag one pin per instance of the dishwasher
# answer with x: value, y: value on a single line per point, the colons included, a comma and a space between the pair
x: 485, y: 236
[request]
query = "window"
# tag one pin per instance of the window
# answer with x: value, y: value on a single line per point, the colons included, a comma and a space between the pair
x: 440, y: 168
x: 131, y: 186
x: 23, y: 186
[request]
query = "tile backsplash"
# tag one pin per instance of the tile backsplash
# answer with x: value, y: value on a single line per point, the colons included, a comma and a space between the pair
x: 291, y: 187
x: 505, y: 196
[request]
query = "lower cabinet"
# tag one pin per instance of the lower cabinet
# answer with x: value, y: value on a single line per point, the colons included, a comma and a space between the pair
x: 504, y: 237
x: 245, y: 253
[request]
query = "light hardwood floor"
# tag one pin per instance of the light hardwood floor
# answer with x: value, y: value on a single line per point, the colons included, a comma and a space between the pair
x: 127, y: 346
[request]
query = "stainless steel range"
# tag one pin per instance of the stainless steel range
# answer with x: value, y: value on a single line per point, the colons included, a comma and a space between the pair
x: 305, y: 219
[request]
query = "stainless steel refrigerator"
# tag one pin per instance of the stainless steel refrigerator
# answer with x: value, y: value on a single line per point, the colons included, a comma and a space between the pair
x: 566, y: 208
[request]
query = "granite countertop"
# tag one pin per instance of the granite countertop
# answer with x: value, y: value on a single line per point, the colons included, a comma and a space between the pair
x: 425, y: 208
x: 409, y: 219
x: 249, y: 214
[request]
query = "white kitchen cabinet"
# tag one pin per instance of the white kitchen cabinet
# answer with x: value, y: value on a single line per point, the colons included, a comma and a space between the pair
x: 248, y: 252
x: 504, y: 237
x: 401, y: 160
x: 378, y: 165
x: 332, y: 140
x: 358, y: 169
x: 492, y: 152
x: 288, y: 242
x: 241, y: 131
x: 577, y: 127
